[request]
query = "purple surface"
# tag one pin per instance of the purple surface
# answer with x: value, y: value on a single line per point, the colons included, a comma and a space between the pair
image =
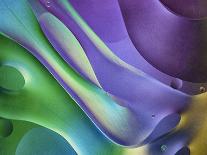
x: 154, y: 107
x: 172, y: 43
x: 100, y: 12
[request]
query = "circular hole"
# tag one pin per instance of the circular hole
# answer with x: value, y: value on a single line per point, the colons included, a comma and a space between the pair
x: 176, y: 83
x: 6, y: 127
x: 11, y: 78
x: 153, y: 115
x: 202, y: 89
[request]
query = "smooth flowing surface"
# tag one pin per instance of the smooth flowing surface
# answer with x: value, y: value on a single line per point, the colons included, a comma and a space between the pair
x: 74, y: 68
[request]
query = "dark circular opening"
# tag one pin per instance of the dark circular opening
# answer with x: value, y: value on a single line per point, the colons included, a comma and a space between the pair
x: 202, y: 89
x: 176, y: 83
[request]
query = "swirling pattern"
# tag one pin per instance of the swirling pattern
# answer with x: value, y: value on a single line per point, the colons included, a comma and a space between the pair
x: 112, y: 77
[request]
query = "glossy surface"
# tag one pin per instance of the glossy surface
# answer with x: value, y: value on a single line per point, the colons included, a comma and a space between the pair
x: 72, y: 68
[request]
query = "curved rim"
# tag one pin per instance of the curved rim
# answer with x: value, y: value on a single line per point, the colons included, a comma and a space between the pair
x: 179, y: 15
